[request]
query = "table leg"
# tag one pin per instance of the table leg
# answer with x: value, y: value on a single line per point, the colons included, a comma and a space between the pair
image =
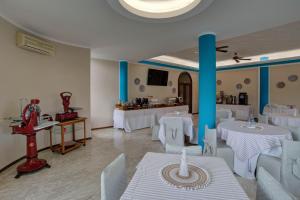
x: 50, y: 130
x: 73, y: 132
x: 62, y: 140
x: 84, y: 134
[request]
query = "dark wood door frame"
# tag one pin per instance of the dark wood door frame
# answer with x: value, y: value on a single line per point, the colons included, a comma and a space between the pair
x: 190, y: 86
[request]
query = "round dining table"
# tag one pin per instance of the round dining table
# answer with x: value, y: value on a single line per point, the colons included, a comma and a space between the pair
x: 249, y: 141
x: 187, y: 124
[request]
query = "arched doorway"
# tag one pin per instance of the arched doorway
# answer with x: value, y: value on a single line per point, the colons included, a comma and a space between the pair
x: 185, y: 89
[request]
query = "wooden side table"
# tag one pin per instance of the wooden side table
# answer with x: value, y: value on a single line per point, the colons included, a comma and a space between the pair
x: 65, y: 147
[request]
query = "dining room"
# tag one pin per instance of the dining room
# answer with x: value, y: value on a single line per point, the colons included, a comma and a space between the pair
x: 147, y: 99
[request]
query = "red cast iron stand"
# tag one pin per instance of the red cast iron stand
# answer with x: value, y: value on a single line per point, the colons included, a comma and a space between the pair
x: 33, y: 163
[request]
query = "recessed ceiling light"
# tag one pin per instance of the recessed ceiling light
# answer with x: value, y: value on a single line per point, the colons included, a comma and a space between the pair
x: 159, y: 9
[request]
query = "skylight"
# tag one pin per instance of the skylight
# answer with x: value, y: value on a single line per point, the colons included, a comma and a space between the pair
x: 159, y: 9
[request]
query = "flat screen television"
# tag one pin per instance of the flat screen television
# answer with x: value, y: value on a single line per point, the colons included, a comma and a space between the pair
x: 157, y: 77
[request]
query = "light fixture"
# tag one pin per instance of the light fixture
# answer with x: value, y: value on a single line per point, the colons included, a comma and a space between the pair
x: 159, y: 9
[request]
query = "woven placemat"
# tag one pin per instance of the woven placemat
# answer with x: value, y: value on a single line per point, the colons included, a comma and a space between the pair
x: 198, y: 177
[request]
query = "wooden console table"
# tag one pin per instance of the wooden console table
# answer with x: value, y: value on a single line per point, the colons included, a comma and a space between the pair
x: 65, y: 147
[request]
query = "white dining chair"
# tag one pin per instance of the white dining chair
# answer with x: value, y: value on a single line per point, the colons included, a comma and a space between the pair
x: 210, y: 141
x: 232, y: 119
x: 114, y: 179
x: 269, y: 188
x: 155, y: 127
x: 290, y: 168
x: 174, y: 131
x: 223, y: 115
x: 215, y: 147
x: 264, y: 119
x: 295, y: 133
x: 271, y: 164
x: 190, y: 150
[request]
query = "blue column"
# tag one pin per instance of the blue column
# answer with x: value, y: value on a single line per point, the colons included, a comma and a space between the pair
x: 207, y: 84
x: 123, y: 81
x: 264, y: 86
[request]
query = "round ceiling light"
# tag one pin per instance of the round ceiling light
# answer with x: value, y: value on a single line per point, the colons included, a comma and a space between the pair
x: 159, y: 9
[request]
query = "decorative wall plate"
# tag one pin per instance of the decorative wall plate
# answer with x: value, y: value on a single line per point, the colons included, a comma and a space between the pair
x: 142, y: 88
x: 170, y: 83
x: 137, y: 81
x: 280, y: 85
x: 247, y: 81
x: 173, y: 90
x: 219, y: 82
x: 293, y: 78
x: 239, y: 86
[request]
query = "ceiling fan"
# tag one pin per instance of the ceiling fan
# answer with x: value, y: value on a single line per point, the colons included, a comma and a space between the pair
x: 222, y: 49
x: 239, y: 58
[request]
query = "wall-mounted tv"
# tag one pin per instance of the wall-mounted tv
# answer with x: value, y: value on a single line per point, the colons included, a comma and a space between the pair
x: 157, y: 77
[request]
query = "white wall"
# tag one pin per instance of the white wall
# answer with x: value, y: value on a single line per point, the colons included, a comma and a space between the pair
x: 104, y: 92
x: 31, y: 75
x: 161, y: 92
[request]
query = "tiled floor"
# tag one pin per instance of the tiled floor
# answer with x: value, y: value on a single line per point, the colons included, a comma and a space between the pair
x: 76, y: 175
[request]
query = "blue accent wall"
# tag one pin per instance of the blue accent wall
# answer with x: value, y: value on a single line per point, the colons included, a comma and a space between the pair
x: 123, y: 81
x: 207, y: 84
x: 264, y: 86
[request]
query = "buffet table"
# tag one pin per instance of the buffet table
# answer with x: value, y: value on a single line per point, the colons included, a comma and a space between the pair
x: 239, y: 112
x: 131, y: 120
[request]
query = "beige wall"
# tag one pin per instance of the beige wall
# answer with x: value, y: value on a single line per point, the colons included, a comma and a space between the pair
x: 104, y: 92
x: 31, y: 75
x: 161, y: 92
x: 231, y: 78
x: 290, y: 94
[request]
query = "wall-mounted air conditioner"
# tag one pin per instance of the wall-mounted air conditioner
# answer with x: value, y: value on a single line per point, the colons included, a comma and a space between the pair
x: 35, y: 44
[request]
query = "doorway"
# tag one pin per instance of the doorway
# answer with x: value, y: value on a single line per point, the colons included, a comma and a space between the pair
x: 185, y: 89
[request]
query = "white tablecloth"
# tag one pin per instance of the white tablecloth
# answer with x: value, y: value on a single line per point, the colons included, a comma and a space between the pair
x: 248, y: 143
x: 239, y: 112
x: 147, y: 184
x: 187, y: 125
x: 284, y: 120
x: 131, y: 120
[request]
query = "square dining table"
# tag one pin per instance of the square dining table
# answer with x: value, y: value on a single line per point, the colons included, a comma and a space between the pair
x: 147, y: 182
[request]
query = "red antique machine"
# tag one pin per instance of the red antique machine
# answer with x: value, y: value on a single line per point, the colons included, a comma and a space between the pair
x: 69, y: 113
x: 29, y: 126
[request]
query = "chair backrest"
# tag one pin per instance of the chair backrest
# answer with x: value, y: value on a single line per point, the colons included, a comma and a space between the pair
x: 231, y: 119
x: 190, y: 150
x: 295, y: 133
x: 114, y: 179
x: 223, y: 114
x: 174, y: 131
x: 290, y: 167
x: 210, y: 141
x: 264, y: 119
x: 268, y: 188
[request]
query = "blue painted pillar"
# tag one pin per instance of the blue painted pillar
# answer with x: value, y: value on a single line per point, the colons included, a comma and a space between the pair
x: 207, y: 84
x: 264, y: 86
x: 123, y: 81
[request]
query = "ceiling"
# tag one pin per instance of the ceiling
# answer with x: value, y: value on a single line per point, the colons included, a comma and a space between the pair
x: 94, y: 24
x: 272, y: 43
